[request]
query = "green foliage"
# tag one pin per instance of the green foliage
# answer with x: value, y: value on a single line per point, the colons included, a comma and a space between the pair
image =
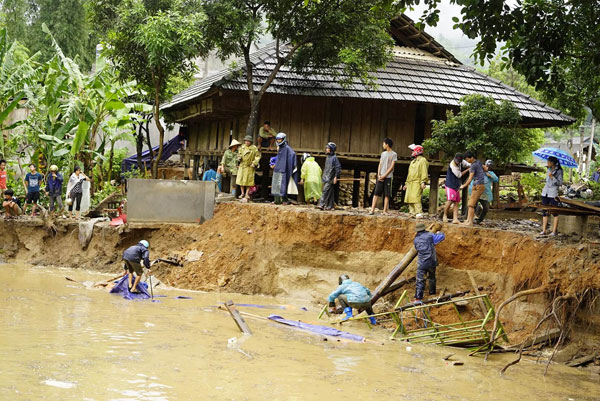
x: 533, y: 184
x: 24, y: 19
x: 346, y: 38
x: 107, y: 190
x: 152, y: 42
x: 17, y: 72
x: 489, y: 129
x: 553, y: 43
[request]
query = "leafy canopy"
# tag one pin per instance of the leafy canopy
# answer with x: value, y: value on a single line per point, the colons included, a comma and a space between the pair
x: 346, y: 38
x: 553, y: 43
x: 152, y: 42
x: 489, y: 129
x: 66, y: 19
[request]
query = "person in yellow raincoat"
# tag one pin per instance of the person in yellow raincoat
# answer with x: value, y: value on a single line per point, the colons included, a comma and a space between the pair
x: 416, y: 181
x: 311, y: 177
x: 249, y: 158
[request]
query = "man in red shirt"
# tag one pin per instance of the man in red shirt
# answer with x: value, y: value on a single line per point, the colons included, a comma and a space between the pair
x: 3, y: 175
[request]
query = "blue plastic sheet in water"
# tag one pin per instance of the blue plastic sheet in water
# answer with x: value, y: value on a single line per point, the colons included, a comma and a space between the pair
x: 313, y: 328
x: 284, y: 307
x: 122, y: 288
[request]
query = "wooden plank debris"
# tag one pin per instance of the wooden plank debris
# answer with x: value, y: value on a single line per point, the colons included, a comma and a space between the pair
x: 549, y: 336
x: 476, y: 290
x: 399, y: 285
x: 237, y: 317
x: 582, y: 361
x: 579, y: 204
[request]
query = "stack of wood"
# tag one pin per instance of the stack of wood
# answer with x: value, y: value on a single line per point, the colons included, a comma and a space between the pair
x: 573, y: 208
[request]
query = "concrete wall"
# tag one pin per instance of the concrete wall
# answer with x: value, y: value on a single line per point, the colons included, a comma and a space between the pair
x: 170, y: 201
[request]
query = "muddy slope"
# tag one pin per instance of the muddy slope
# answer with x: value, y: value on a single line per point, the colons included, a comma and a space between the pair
x: 300, y: 252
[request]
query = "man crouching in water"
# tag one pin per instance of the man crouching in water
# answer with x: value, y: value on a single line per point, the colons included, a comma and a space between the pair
x: 132, y: 257
x: 351, y: 294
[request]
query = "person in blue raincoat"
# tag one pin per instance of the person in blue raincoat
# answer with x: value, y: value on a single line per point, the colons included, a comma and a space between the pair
x: 331, y: 176
x: 351, y: 294
x: 425, y: 243
x: 283, y: 170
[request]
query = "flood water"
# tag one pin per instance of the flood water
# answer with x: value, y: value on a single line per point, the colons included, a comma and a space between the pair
x: 61, y: 341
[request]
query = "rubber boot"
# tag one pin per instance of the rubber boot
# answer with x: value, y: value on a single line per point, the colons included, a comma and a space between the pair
x: 348, y: 312
x: 372, y: 320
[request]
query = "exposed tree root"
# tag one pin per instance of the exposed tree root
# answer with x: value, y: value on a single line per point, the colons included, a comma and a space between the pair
x: 519, y: 294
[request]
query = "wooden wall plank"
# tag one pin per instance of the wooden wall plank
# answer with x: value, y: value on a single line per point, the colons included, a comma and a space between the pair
x: 335, y: 128
x: 344, y: 141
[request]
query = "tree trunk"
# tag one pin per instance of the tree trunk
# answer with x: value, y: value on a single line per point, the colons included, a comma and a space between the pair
x: 139, y: 147
x: 253, y: 117
x: 110, y: 161
x: 161, y: 129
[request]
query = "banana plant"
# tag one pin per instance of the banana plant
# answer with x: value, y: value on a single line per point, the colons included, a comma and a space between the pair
x: 17, y: 73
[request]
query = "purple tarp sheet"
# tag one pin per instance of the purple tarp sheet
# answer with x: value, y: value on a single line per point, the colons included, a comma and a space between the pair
x: 122, y: 288
x: 169, y: 148
x: 313, y: 328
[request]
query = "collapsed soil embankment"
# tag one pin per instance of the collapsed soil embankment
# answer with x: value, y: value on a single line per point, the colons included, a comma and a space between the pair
x: 299, y: 252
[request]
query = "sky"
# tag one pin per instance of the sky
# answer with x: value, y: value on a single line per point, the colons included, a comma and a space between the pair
x: 452, y: 39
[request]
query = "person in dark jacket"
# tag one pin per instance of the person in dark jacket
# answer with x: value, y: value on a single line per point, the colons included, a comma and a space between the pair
x: 54, y: 184
x: 283, y: 170
x: 134, y: 256
x: 331, y: 176
x: 425, y: 243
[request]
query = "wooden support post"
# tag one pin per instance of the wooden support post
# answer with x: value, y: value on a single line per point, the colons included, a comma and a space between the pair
x: 237, y: 317
x: 496, y: 192
x: 195, y: 167
x: 433, y: 193
x: 464, y: 201
x: 356, y: 188
x: 366, y: 202
x: 394, y: 274
x: 476, y: 289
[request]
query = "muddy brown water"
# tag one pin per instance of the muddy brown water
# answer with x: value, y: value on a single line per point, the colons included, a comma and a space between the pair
x: 62, y: 341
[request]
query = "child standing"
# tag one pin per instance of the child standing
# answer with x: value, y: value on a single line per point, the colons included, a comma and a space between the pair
x: 54, y: 189
x: 32, y: 182
x: 453, y: 180
x: 385, y: 173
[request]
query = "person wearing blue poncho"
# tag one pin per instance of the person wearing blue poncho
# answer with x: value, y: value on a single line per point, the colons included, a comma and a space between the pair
x: 351, y: 294
x: 283, y: 170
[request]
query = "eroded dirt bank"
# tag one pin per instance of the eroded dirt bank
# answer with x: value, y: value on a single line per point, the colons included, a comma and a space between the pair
x: 298, y: 252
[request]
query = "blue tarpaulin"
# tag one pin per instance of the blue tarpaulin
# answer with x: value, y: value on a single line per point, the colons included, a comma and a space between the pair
x: 169, y: 149
x: 122, y: 288
x: 313, y: 328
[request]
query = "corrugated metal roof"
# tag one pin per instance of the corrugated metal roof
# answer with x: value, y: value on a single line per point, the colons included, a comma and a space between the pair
x: 404, y: 78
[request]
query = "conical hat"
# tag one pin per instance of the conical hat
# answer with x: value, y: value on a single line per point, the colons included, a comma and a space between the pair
x: 234, y: 143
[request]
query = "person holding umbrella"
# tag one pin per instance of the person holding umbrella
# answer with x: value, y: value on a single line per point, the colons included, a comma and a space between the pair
x: 554, y: 179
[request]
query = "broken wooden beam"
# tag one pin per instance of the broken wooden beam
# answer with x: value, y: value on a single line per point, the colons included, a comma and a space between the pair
x: 484, y: 310
x: 237, y: 317
x: 551, y: 335
x: 394, y: 274
x: 581, y: 205
x: 582, y: 361
x: 398, y: 285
